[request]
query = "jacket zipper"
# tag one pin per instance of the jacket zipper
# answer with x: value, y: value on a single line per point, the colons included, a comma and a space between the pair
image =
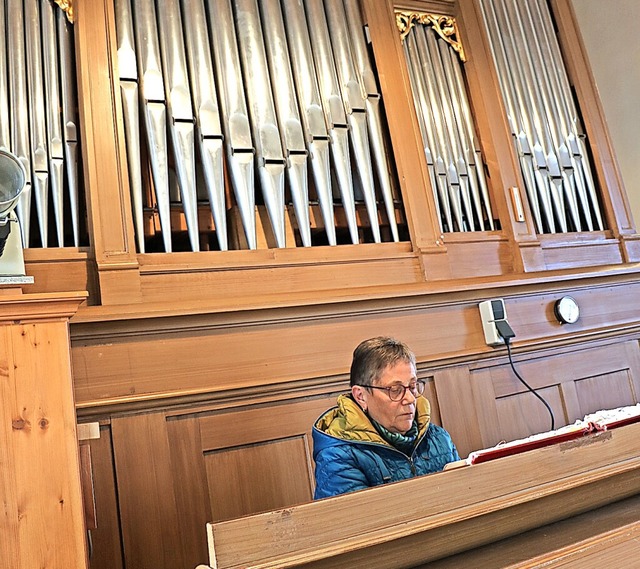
x: 412, y: 465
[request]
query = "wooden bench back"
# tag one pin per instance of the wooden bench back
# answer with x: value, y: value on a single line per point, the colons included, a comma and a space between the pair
x: 430, y: 517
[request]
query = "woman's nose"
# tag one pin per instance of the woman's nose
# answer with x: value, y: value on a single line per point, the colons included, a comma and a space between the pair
x: 409, y: 397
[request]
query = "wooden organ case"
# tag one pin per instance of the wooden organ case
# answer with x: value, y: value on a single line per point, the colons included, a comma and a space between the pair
x: 210, y: 342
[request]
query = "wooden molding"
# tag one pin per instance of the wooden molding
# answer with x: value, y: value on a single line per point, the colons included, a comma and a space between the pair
x: 422, y: 216
x: 28, y: 307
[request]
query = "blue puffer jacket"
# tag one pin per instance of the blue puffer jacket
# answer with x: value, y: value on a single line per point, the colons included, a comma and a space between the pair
x: 351, y: 455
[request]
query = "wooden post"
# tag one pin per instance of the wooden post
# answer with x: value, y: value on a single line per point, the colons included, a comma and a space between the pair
x: 41, y: 514
x: 104, y: 156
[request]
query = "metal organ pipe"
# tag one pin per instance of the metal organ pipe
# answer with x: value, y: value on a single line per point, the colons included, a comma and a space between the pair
x: 128, y: 74
x: 207, y: 113
x: 52, y: 106
x: 69, y: 118
x: 238, y: 141
x: 286, y: 106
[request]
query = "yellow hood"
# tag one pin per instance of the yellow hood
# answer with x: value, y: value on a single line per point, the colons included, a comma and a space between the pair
x: 348, y: 421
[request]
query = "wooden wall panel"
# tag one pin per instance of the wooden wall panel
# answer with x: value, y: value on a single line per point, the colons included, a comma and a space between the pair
x: 60, y: 269
x: 459, y: 414
x: 190, y: 487
x: 486, y: 256
x: 106, y: 551
x: 565, y: 255
x: 177, y: 468
x: 212, y: 358
x: 174, y: 472
x: 260, y: 424
x: 260, y: 458
x: 605, y: 391
x: 207, y: 353
x: 431, y: 393
x: 544, y: 369
x: 150, y: 525
x: 573, y: 383
x: 256, y: 478
x: 249, y: 283
x: 523, y: 414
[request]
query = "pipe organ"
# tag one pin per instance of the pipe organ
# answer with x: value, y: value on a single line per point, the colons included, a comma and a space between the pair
x: 39, y: 118
x: 293, y: 87
x: 246, y: 189
x: 251, y: 96
x: 456, y: 166
x: 545, y: 124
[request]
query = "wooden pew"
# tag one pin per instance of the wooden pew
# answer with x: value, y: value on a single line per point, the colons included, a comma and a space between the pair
x: 605, y: 537
x: 420, y: 521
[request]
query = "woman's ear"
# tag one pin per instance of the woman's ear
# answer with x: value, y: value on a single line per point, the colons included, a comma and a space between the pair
x: 359, y: 394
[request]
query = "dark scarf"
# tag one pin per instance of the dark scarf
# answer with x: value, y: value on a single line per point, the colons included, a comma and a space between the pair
x: 404, y: 443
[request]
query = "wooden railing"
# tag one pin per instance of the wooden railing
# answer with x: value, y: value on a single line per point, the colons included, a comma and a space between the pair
x: 430, y: 518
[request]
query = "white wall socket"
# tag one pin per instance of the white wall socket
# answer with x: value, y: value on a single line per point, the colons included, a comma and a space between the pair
x: 490, y: 311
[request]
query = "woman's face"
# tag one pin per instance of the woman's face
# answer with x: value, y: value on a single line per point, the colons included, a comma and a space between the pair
x: 395, y: 416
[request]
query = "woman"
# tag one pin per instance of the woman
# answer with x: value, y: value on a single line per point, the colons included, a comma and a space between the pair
x: 380, y: 432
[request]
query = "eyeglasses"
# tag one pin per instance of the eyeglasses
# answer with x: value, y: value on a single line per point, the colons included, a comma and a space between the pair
x: 397, y: 391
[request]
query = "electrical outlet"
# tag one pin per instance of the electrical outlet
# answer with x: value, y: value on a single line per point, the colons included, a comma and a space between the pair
x: 490, y: 312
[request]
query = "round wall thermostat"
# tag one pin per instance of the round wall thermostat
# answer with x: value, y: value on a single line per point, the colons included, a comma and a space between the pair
x: 566, y: 310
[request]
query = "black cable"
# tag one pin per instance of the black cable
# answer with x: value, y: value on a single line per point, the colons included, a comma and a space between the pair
x: 507, y: 342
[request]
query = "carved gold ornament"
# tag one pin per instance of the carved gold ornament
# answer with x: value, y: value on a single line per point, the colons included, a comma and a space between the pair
x: 67, y: 7
x: 445, y: 26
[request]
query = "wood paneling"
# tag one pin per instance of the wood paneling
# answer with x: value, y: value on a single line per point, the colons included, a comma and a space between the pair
x: 488, y: 256
x: 106, y: 550
x: 144, y: 358
x: 42, y: 517
x: 608, y: 391
x: 61, y: 270
x: 523, y: 414
x: 190, y: 486
x: 217, y: 359
x: 260, y: 477
x: 261, y: 424
x: 573, y: 383
x: 260, y: 458
x: 561, y: 254
x: 178, y: 468
x: 282, y: 280
x: 175, y: 474
x: 150, y: 525
x: 458, y: 413
x: 431, y: 393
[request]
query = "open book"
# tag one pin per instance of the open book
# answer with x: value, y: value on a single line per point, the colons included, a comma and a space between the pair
x: 599, y: 421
